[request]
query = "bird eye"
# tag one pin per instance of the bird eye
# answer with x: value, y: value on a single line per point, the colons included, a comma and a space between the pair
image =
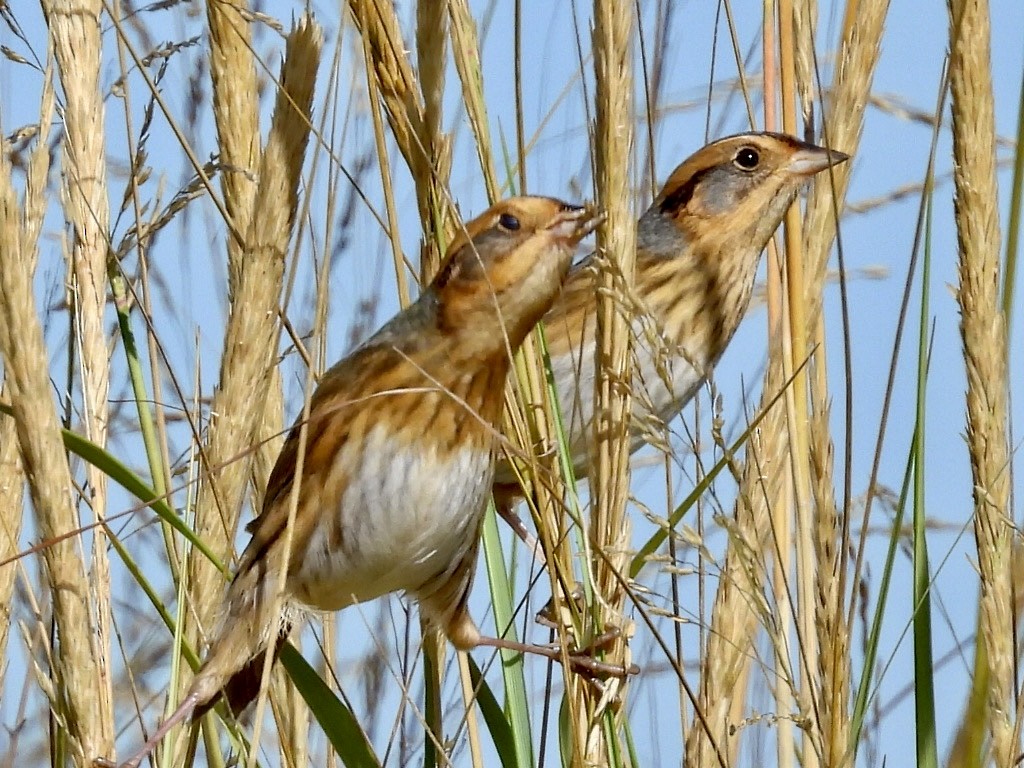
x: 509, y: 222
x: 747, y: 159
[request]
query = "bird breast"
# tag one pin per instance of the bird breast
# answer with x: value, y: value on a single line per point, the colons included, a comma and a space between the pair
x: 664, y: 379
x: 408, y: 514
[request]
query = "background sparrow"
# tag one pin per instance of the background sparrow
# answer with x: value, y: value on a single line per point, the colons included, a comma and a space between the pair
x: 399, y: 450
x: 697, y: 252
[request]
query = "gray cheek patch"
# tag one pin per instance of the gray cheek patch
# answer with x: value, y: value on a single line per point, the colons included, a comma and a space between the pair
x: 722, y: 189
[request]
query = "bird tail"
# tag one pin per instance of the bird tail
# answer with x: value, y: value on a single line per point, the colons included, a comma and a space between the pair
x: 244, y: 637
x: 243, y: 686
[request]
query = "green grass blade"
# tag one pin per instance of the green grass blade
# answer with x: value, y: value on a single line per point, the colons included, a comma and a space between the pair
x: 112, y: 467
x: 860, y: 707
x: 924, y: 683
x: 1013, y: 221
x: 497, y: 724
x: 338, y: 723
x: 654, y: 543
x: 516, y: 702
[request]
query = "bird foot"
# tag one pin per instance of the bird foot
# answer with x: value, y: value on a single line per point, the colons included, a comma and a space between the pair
x: 580, y: 661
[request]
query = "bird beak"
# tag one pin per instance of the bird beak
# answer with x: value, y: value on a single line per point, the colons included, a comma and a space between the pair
x: 811, y: 160
x: 576, y: 222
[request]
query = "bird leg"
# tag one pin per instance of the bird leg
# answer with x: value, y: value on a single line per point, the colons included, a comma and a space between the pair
x: 462, y: 632
x: 504, y: 504
x: 579, y: 661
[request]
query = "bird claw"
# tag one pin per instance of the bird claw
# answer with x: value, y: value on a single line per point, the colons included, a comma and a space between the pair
x: 582, y: 659
x: 584, y: 656
x: 582, y: 662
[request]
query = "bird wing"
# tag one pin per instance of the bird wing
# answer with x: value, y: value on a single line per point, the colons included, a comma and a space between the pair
x: 326, y: 431
x: 349, y: 386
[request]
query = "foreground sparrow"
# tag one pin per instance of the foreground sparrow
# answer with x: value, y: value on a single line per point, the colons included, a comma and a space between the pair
x: 697, y: 251
x: 399, y: 450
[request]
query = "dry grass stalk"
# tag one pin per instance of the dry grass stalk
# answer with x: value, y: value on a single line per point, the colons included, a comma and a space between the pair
x: 431, y: 49
x: 79, y: 677
x: 269, y: 435
x: 378, y: 24
x: 75, y: 32
x: 250, y: 347
x: 414, y: 108
x: 427, y: 151
x: 796, y: 70
x: 281, y: 164
x: 819, y: 559
x: 831, y: 688
x: 435, y: 149
x: 12, y: 476
x: 616, y: 240
x: 969, y: 741
x: 740, y: 603
x: 529, y: 412
x: 387, y: 185
x: 779, y: 625
x: 983, y: 329
x: 859, y: 55
x: 235, y: 111
x: 795, y: 352
x: 12, y: 484
x: 466, y: 53
x: 805, y: 24
x: 417, y: 126
x: 831, y: 711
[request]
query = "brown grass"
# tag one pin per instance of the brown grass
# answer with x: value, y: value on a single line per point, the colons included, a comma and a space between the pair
x: 81, y: 691
x: 12, y: 475
x: 983, y: 328
x: 239, y: 407
x: 466, y: 53
x: 80, y: 685
x: 221, y: 491
x: 609, y: 528
x: 413, y: 116
x: 77, y: 49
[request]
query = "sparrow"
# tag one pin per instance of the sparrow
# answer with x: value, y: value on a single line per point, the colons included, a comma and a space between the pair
x: 398, y: 453
x: 698, y: 247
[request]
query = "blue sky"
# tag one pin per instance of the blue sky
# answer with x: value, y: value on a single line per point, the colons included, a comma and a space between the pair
x: 893, y: 153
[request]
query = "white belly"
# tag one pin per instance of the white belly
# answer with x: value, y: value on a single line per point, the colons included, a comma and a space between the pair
x: 406, y: 516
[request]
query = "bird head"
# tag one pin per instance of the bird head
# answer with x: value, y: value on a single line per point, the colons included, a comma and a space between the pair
x: 731, y: 194
x: 504, y: 270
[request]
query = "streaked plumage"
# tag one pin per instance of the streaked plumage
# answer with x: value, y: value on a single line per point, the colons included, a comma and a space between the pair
x: 697, y: 252
x: 400, y: 448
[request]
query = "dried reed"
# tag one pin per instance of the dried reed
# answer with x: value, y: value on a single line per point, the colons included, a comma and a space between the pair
x: 609, y: 529
x: 250, y: 346
x: 80, y: 684
x: 983, y: 329
x: 12, y: 475
x: 77, y: 46
x: 413, y: 116
x: 229, y: 435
